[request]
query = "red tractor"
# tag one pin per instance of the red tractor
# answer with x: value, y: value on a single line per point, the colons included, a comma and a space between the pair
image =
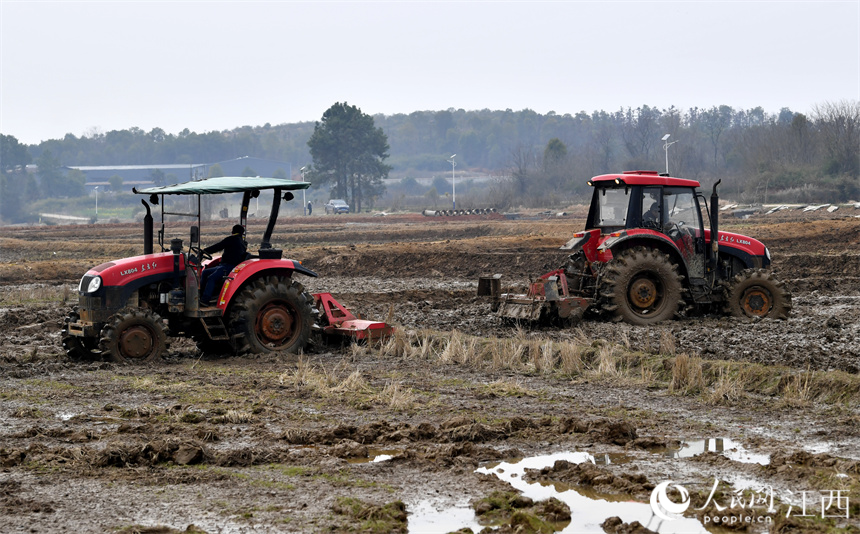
x: 127, y: 308
x: 646, y: 255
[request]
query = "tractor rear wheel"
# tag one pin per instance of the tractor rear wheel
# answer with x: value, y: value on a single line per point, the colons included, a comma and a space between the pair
x: 271, y: 314
x: 756, y: 294
x: 134, y: 335
x: 641, y: 286
x: 78, y: 348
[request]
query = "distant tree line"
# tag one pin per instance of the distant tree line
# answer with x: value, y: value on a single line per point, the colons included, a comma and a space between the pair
x: 546, y: 158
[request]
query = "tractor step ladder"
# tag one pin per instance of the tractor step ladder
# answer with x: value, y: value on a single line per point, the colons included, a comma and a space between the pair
x: 215, y: 328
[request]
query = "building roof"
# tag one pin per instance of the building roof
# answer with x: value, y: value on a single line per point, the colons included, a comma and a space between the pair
x: 86, y: 168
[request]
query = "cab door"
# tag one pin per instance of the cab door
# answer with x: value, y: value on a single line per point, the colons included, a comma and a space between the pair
x: 682, y: 223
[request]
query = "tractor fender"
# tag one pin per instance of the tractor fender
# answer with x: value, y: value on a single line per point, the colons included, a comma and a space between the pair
x: 252, y: 269
x: 619, y: 241
x: 586, y: 241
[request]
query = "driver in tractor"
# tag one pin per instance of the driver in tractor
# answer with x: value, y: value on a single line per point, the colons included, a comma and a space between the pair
x: 235, y: 250
x: 652, y: 215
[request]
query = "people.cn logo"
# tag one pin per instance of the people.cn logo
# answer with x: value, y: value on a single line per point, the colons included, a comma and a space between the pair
x: 663, y: 507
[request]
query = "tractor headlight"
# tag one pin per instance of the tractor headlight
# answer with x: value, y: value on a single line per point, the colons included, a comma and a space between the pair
x: 767, y: 253
x: 93, y: 286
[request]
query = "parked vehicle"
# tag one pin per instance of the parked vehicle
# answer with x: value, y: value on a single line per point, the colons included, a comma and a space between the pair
x: 337, y: 206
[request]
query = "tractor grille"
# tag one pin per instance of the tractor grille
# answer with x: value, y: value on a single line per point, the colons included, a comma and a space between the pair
x: 85, y: 282
x: 92, y: 309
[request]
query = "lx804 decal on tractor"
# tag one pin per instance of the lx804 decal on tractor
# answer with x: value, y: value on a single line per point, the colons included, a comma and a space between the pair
x: 646, y: 255
x: 127, y: 308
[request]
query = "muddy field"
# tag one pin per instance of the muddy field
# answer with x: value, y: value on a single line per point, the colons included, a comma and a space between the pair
x: 457, y: 422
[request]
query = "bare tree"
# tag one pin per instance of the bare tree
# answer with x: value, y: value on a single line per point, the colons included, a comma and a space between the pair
x: 839, y: 124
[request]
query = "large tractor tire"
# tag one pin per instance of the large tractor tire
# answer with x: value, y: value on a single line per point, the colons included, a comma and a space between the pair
x: 756, y: 294
x: 271, y: 314
x: 641, y: 286
x: 134, y: 336
x: 78, y: 348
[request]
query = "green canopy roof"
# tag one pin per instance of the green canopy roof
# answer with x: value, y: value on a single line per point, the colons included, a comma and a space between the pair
x: 224, y: 184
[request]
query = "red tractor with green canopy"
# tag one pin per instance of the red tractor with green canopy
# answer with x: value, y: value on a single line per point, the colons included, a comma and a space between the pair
x: 127, y: 308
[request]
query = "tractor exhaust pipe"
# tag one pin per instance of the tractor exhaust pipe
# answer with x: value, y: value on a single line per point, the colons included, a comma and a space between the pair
x: 715, y: 225
x: 147, y: 229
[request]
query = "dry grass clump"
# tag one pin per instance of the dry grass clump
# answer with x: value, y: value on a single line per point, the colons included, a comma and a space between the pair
x: 570, y: 359
x: 667, y: 343
x: 455, y: 350
x: 607, y: 363
x: 508, y: 353
x: 307, y: 376
x: 687, y: 376
x: 727, y: 389
x: 398, y: 344
x: 354, y: 383
x: 508, y: 387
x: 397, y: 397
x: 544, y: 357
x: 237, y: 417
x: 519, y: 352
x: 796, y: 389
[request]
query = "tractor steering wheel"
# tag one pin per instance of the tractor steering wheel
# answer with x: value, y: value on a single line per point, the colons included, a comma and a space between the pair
x: 199, y: 255
x: 675, y: 231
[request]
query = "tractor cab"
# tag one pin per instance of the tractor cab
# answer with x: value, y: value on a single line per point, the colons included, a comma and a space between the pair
x: 643, y: 205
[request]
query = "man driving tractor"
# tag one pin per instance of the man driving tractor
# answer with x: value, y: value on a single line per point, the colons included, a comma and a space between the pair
x: 235, y: 249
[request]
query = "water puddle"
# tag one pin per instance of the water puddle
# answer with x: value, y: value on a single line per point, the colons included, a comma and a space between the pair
x: 729, y: 448
x: 587, y: 509
x: 427, y: 517
x: 85, y: 417
x: 818, y: 447
x: 612, y: 458
x: 375, y: 456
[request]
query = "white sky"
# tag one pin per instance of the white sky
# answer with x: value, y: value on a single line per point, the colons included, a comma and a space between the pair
x: 78, y: 67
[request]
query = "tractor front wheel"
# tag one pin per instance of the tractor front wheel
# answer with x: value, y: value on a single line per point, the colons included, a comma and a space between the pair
x: 641, y: 286
x: 271, y: 314
x: 134, y: 335
x: 756, y: 294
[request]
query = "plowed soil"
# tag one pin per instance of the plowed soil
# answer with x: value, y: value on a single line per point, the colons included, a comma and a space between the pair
x: 284, y: 443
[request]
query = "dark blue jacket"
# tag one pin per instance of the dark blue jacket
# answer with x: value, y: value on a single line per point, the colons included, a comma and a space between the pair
x: 234, y: 248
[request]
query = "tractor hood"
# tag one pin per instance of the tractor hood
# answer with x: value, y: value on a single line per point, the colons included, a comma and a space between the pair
x: 751, y: 246
x: 127, y: 270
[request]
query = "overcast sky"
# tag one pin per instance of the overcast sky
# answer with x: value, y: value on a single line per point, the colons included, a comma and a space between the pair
x: 82, y: 67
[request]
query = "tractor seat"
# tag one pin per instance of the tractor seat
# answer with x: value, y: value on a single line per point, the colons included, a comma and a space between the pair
x: 271, y: 253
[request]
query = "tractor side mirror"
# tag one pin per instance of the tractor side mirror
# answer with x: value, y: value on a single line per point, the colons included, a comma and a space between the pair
x: 288, y: 196
x: 153, y: 199
x: 195, y: 236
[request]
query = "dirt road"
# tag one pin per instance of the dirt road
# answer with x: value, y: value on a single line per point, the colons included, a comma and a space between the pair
x: 457, y: 421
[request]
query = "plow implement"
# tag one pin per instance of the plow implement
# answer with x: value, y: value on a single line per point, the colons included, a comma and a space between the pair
x: 336, y: 320
x: 548, y: 300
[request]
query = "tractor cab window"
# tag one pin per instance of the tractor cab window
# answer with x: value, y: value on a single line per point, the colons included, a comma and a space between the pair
x: 680, y: 211
x: 651, y: 208
x: 612, y: 207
